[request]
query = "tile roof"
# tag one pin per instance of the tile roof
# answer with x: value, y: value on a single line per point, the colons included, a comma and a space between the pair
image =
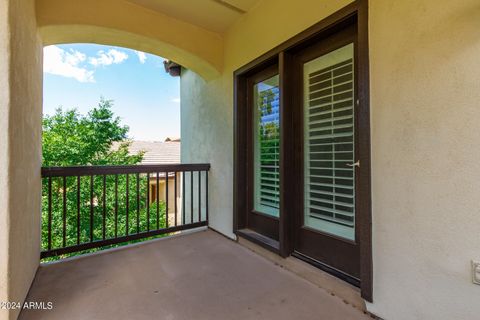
x: 156, y: 152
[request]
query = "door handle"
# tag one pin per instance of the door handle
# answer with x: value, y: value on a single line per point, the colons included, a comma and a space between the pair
x: 356, y: 164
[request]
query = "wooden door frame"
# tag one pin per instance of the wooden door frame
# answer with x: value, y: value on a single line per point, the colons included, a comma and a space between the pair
x: 356, y: 12
x: 332, y: 242
x: 257, y: 221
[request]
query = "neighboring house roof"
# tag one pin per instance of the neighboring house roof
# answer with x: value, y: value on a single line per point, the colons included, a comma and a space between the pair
x: 172, y: 139
x: 156, y: 152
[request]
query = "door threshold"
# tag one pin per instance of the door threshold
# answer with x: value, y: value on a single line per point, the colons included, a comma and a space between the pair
x: 310, y: 273
x: 259, y: 239
x: 322, y: 266
x: 274, y: 246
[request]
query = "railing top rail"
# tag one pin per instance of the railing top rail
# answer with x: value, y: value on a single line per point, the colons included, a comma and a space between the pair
x: 106, y: 170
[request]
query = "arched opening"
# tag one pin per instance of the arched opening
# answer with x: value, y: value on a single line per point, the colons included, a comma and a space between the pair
x: 65, y: 34
x: 103, y: 185
x: 124, y: 24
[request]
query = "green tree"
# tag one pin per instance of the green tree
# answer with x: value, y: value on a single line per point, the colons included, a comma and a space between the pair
x: 72, y: 139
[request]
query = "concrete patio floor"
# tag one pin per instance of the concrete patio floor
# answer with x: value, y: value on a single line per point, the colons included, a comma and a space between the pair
x: 200, y: 275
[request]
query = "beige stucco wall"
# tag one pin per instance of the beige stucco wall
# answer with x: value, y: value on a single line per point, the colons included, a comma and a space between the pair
x: 4, y: 102
x: 207, y: 130
x: 20, y: 149
x: 425, y: 88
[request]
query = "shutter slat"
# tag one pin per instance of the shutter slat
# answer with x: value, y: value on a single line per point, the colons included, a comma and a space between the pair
x: 344, y: 204
x: 350, y: 224
x: 333, y: 135
x: 274, y: 197
x: 329, y: 160
x: 330, y: 120
x: 341, y: 186
x: 334, y: 211
x: 329, y: 193
x: 271, y: 185
x: 332, y: 127
x: 329, y: 104
x: 329, y: 81
x: 333, y: 93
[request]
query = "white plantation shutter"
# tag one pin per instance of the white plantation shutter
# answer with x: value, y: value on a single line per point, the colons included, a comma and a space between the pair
x: 329, y: 143
x: 267, y: 147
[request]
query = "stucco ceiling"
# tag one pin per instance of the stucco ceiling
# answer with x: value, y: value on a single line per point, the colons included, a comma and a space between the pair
x: 213, y: 15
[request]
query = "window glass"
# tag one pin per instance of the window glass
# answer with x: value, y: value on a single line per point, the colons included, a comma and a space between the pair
x: 266, y: 147
x: 329, y: 143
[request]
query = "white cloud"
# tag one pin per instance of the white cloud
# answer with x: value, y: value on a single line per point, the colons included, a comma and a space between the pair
x: 176, y: 100
x: 141, y: 56
x: 112, y: 56
x: 66, y: 63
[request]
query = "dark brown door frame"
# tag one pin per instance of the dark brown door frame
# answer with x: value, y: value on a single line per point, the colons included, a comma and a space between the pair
x: 340, y: 252
x: 356, y: 12
x: 257, y: 221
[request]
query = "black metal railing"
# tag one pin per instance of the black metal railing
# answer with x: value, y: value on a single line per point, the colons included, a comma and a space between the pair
x: 97, y: 206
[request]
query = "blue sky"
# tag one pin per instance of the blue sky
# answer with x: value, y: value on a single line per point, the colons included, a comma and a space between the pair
x: 146, y: 98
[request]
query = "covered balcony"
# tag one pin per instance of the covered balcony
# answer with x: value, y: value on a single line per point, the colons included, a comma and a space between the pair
x: 329, y: 165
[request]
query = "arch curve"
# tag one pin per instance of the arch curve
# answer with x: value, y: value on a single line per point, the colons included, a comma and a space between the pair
x: 120, y: 23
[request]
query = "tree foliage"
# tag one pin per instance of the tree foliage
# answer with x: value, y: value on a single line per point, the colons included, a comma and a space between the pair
x: 72, y: 139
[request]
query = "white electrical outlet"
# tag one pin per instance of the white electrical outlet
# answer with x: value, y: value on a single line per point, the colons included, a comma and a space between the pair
x: 476, y: 272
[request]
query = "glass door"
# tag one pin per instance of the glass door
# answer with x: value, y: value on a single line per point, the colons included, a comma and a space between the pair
x: 264, y: 176
x: 326, y: 230
x: 266, y: 136
x: 329, y: 148
x: 302, y: 148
